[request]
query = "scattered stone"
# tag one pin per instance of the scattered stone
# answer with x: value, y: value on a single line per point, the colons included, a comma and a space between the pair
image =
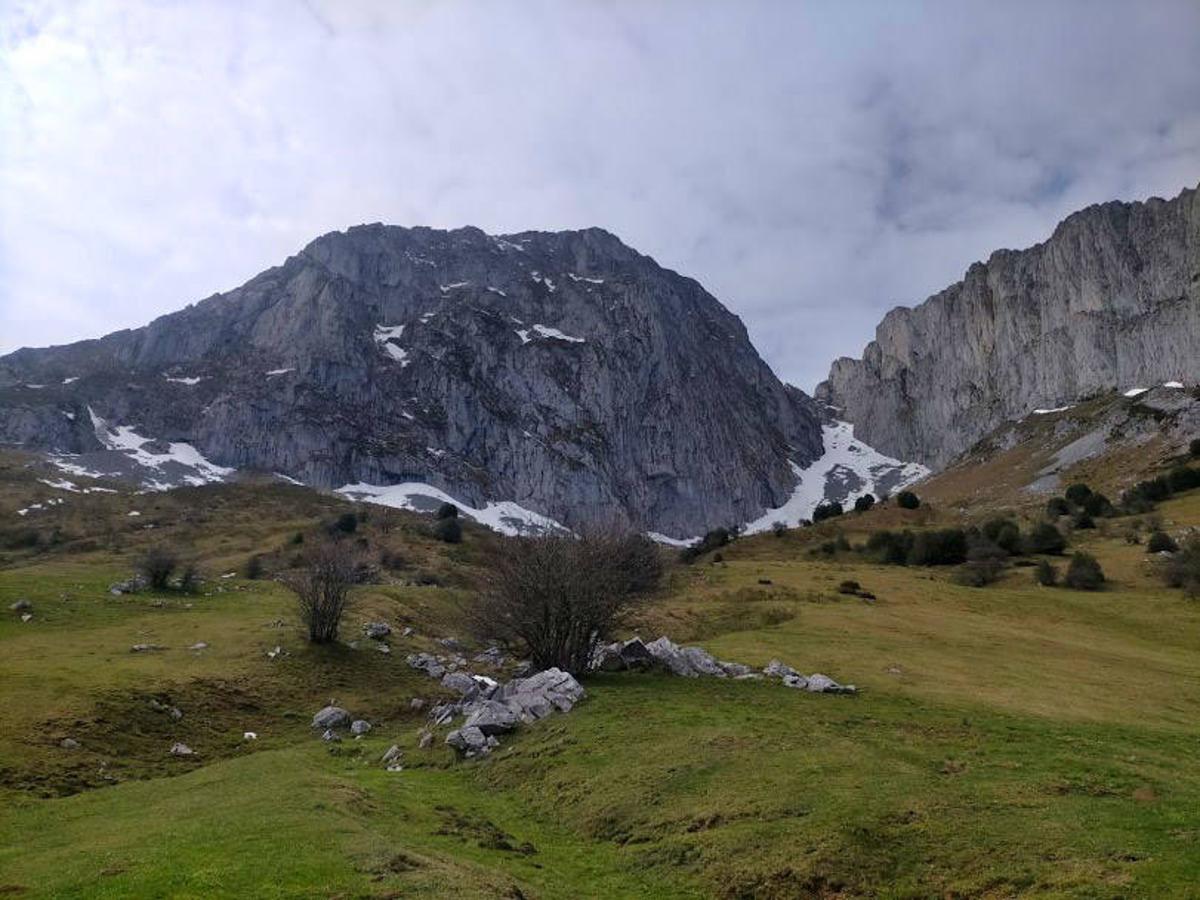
x: 145, y: 648
x: 331, y: 717
x: 459, y: 682
x: 129, y: 586
x: 26, y: 617
x: 416, y: 704
x: 199, y: 645
x: 625, y: 655
x: 426, y: 663
x: 492, y: 656
x: 426, y: 739
x: 21, y: 605
x: 384, y: 648
x: 330, y: 736
x: 69, y: 744
x: 407, y: 632
x: 377, y: 631
x: 178, y: 749
x: 776, y: 669
x: 249, y: 736
x: 443, y: 713
x: 538, y: 695
x: 795, y: 680
x: 359, y: 727
x: 452, y: 644
x: 391, y: 755
x: 823, y: 684
x: 277, y: 652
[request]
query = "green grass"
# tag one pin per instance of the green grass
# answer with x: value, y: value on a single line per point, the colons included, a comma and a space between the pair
x: 1008, y: 741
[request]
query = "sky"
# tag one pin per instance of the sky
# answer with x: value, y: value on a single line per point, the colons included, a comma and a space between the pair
x: 813, y: 164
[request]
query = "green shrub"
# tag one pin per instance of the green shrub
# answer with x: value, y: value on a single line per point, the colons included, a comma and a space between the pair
x: 829, y: 509
x: 1182, y: 570
x: 1084, y: 573
x: 907, y: 500
x: 1078, y: 493
x: 1083, y: 521
x: 865, y: 502
x: 1183, y: 478
x: 254, y: 567
x: 1161, y: 542
x: 448, y: 530
x: 1058, y: 506
x: 985, y: 563
x: 849, y: 586
x: 157, y: 565
x: 1097, y: 505
x: 447, y: 511
x: 1005, y: 534
x: 1045, y: 538
x: 346, y: 523
x: 890, y: 547
x: 1045, y: 574
x: 718, y: 537
x: 943, y: 547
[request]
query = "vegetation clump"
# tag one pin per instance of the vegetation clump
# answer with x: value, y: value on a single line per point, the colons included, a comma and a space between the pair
x: 560, y: 596
x: 1182, y: 569
x: 448, y: 530
x: 157, y: 565
x: 1161, y: 542
x: 322, y: 587
x: 829, y: 509
x: 447, y: 511
x: 1045, y: 538
x: 863, y: 503
x: 1084, y: 573
x: 908, y: 500
x: 712, y: 540
x: 1045, y: 574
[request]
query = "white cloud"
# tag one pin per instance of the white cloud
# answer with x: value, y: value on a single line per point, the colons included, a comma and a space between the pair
x: 811, y: 164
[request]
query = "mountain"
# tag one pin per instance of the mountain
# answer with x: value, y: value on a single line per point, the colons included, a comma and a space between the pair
x: 530, y: 377
x: 1110, y: 301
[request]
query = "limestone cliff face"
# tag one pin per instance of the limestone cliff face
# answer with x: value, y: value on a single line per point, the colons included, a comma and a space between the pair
x: 562, y: 371
x: 1111, y: 300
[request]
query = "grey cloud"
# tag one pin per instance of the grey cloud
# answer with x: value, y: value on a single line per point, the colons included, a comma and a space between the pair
x: 812, y: 164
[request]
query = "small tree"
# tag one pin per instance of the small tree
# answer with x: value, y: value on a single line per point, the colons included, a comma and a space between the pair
x: 447, y: 511
x: 322, y: 588
x: 559, y: 596
x: 1161, y: 542
x: 157, y: 565
x: 1045, y: 538
x: 828, y: 509
x: 1084, y: 573
x: 448, y: 530
x: 1045, y: 574
x: 1182, y: 570
x: 865, y: 502
x: 907, y: 500
x: 1078, y: 493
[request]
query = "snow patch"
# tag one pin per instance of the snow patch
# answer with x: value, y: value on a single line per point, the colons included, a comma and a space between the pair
x: 1176, y: 385
x: 670, y: 541
x: 496, y: 290
x: 575, y: 277
x: 543, y: 279
x: 548, y: 332
x: 275, y: 372
x: 1135, y: 392
x: 62, y: 485
x: 505, y: 516
x: 523, y: 334
x: 447, y: 288
x: 187, y: 381
x: 70, y: 380
x: 847, y: 462
x: 1056, y: 409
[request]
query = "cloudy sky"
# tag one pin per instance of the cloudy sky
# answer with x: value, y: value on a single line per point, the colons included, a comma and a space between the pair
x: 813, y: 164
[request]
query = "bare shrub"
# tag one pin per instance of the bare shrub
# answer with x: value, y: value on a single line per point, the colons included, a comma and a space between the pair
x: 322, y: 587
x: 157, y: 565
x: 1182, y: 570
x: 559, y: 596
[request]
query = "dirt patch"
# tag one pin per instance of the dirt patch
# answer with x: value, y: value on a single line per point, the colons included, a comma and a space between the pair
x: 484, y: 834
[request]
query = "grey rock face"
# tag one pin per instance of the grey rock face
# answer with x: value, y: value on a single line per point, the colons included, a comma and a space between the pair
x: 1111, y: 300
x: 562, y: 371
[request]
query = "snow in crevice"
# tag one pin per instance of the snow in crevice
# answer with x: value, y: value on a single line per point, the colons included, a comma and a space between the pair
x: 1135, y: 392
x: 1056, y: 409
x: 845, y: 471
x: 575, y: 277
x: 453, y: 286
x: 547, y: 332
x: 1175, y: 385
x: 386, y: 337
x: 275, y: 372
x: 543, y: 279
x: 669, y: 541
x: 188, y: 381
x: 496, y: 290
x: 504, y: 516
x: 70, y: 380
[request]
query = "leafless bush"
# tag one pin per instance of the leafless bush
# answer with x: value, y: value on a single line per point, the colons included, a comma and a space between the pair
x: 157, y: 565
x: 322, y: 587
x: 559, y: 596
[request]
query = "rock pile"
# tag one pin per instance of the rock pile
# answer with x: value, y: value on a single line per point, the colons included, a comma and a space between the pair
x: 695, y: 662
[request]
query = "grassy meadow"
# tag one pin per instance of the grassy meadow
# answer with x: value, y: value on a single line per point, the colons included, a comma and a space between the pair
x: 1008, y: 741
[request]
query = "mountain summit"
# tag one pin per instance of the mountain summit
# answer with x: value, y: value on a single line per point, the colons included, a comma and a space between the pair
x: 563, y: 374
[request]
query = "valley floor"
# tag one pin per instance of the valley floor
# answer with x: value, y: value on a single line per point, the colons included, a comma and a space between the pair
x: 1008, y: 741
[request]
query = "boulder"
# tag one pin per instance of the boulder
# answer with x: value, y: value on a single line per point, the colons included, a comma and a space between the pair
x: 460, y: 683
x: 377, y: 631
x: 492, y: 656
x: 331, y: 717
x: 690, y: 662
x: 69, y: 744
x: 330, y: 736
x: 538, y: 695
x: 625, y: 655
x: 199, y: 645
x: 416, y: 704
x: 797, y: 681
x: 426, y: 739
x: 360, y: 726
x: 443, y: 713
x: 391, y: 755
x: 471, y: 741
x: 178, y: 749
x: 145, y: 648
x: 21, y: 605
x: 823, y: 684
x: 736, y: 670
x: 492, y: 717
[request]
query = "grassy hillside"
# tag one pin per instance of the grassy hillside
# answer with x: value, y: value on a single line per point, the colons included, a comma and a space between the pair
x: 1012, y: 740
